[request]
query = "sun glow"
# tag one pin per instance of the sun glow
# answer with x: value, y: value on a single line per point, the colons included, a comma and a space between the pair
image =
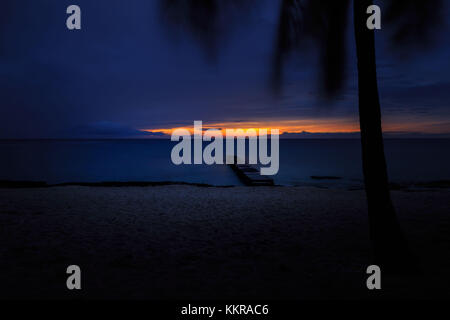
x: 284, y: 126
x: 412, y: 124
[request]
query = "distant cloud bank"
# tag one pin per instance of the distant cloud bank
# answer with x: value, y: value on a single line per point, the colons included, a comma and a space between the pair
x: 112, y: 130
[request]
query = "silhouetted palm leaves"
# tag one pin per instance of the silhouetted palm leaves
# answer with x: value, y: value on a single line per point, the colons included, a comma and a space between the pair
x: 206, y: 20
x: 325, y: 22
x: 411, y: 22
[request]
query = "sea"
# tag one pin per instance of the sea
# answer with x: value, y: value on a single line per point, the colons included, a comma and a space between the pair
x: 324, y: 163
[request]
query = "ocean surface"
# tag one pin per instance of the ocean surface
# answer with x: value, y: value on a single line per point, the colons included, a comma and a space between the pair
x: 58, y: 161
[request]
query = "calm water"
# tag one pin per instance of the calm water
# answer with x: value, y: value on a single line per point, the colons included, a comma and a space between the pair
x: 149, y: 160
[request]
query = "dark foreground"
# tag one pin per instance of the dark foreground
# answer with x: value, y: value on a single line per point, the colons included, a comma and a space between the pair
x: 188, y: 242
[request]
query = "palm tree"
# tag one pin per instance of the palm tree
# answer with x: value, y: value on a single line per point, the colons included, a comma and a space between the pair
x: 325, y: 22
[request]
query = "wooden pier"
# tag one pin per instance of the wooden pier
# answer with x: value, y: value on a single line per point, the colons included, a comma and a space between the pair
x: 250, y: 175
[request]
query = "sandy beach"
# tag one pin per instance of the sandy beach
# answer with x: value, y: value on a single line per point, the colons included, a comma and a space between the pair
x: 179, y: 241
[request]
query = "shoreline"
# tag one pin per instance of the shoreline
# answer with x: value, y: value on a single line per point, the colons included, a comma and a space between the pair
x: 19, y: 184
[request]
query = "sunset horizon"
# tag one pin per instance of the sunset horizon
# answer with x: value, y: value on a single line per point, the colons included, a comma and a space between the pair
x: 225, y: 159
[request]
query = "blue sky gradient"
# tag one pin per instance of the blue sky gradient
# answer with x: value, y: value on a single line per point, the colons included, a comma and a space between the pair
x: 126, y: 71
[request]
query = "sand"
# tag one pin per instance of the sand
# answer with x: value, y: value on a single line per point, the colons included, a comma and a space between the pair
x: 177, y: 242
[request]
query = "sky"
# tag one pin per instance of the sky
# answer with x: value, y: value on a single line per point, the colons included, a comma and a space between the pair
x: 125, y: 74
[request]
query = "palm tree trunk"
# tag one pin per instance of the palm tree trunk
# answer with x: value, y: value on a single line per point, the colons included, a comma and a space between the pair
x: 390, y: 250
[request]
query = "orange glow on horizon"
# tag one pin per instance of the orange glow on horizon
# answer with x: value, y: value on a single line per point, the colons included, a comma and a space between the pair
x: 286, y: 126
x: 323, y: 125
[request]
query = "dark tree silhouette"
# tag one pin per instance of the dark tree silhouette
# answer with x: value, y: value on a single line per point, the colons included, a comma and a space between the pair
x: 324, y: 22
x: 389, y: 244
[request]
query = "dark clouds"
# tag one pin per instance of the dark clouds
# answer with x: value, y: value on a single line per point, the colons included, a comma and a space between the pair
x: 123, y: 72
x: 105, y: 129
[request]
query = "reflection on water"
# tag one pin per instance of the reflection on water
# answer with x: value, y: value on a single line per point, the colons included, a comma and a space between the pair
x: 58, y: 161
